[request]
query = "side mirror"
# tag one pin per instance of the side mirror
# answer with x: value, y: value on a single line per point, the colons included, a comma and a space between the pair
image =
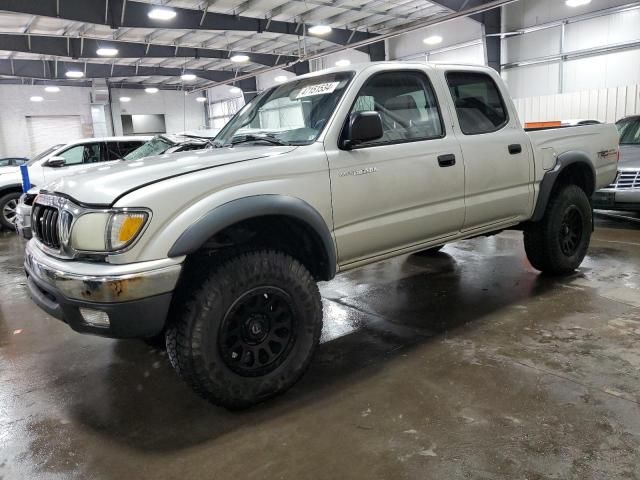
x: 362, y: 127
x: 56, y: 162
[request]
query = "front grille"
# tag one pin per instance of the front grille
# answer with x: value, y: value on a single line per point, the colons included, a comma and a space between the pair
x: 627, y: 179
x: 44, y: 223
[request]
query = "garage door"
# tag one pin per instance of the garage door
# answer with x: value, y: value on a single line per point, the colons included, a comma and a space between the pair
x: 45, y: 131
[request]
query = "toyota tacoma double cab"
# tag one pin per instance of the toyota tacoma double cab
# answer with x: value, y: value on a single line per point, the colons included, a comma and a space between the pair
x: 221, y: 250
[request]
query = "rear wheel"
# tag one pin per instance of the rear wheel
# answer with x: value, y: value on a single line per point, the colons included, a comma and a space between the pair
x: 559, y: 242
x: 248, y: 331
x: 8, y: 205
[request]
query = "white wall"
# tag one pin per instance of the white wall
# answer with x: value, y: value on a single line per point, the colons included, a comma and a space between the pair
x: 410, y: 46
x: 526, y: 13
x: 605, y: 105
x: 181, y: 112
x: 329, y: 61
x: 606, y: 70
x: 15, y: 107
x: 268, y: 79
x: 533, y: 80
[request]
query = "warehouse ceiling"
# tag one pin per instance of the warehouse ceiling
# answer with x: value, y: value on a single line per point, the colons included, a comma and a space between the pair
x: 41, y: 39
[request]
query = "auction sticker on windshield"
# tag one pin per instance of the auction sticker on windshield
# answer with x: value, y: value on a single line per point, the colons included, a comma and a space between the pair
x: 319, y: 89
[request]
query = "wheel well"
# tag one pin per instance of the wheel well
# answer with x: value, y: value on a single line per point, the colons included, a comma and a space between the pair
x: 279, y: 232
x: 579, y: 174
x: 13, y: 189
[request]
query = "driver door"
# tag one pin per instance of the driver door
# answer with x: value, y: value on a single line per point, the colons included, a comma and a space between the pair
x: 404, y: 189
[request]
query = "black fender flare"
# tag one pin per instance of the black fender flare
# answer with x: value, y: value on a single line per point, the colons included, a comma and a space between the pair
x: 551, y: 176
x: 245, y: 208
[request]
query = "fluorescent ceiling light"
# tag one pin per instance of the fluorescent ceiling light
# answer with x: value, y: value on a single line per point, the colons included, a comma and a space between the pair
x: 125, y: 99
x: 151, y: 90
x: 159, y: 13
x: 235, y: 90
x: 239, y: 58
x: 201, y: 99
x: 433, y: 40
x: 343, y: 63
x: 107, y: 52
x: 577, y: 3
x: 280, y: 79
x: 319, y: 29
x: 52, y: 89
x: 36, y: 98
x: 74, y: 74
x: 188, y: 77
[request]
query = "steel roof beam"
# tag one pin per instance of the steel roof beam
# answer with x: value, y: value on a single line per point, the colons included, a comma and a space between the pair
x: 46, y: 69
x: 87, y: 47
x: 92, y: 11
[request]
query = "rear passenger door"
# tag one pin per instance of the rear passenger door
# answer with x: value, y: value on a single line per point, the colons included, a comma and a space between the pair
x: 497, y: 154
x: 404, y: 188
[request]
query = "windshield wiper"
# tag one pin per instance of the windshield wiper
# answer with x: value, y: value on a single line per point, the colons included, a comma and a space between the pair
x: 258, y: 138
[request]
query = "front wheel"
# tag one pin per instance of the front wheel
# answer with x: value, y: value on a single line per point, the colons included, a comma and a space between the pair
x: 8, y: 205
x: 559, y: 242
x: 248, y: 331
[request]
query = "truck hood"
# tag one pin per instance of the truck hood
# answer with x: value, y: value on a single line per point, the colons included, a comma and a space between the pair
x: 629, y: 156
x: 103, y: 185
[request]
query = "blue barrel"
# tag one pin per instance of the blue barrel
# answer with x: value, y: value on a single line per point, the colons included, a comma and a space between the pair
x: 26, y: 183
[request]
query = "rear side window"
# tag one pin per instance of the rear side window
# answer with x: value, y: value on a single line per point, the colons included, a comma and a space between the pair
x: 479, y: 104
x: 112, y: 151
x: 406, y: 103
x: 128, y: 147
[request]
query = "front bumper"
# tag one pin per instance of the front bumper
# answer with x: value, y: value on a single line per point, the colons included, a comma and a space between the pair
x: 23, y: 220
x: 617, y: 199
x: 136, y: 297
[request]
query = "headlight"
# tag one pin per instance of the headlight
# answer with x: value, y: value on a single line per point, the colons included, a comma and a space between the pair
x: 107, y: 231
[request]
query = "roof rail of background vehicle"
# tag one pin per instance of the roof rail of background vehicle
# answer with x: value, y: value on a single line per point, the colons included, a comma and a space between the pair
x: 123, y: 138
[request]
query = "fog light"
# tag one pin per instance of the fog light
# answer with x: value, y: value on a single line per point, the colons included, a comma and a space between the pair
x: 95, y: 317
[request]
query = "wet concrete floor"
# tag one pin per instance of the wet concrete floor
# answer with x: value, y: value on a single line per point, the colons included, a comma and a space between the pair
x: 468, y: 364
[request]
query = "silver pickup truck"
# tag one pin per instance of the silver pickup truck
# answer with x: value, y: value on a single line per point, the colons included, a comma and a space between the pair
x: 221, y: 250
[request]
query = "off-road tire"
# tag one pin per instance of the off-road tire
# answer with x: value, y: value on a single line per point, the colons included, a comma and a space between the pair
x: 4, y: 200
x: 202, y: 308
x: 543, y: 240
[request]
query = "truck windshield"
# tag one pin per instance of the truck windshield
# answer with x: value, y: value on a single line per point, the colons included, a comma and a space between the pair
x: 292, y: 114
x: 629, y: 131
x: 155, y: 146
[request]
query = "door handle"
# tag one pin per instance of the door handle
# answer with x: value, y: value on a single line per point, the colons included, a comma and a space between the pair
x: 448, y: 160
x: 515, y: 149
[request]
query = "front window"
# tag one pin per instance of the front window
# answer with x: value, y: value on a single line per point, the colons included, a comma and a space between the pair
x: 155, y: 146
x: 45, y: 153
x: 629, y: 131
x: 407, y: 106
x: 292, y: 114
x: 79, y: 154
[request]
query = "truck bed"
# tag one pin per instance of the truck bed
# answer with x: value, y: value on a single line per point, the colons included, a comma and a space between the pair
x: 599, y: 142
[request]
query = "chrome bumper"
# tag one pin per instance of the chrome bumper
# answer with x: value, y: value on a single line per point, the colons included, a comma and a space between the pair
x: 100, y: 282
x: 617, y: 199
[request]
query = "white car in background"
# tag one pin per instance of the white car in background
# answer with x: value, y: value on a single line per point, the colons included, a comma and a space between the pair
x: 162, y: 144
x: 59, y: 161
